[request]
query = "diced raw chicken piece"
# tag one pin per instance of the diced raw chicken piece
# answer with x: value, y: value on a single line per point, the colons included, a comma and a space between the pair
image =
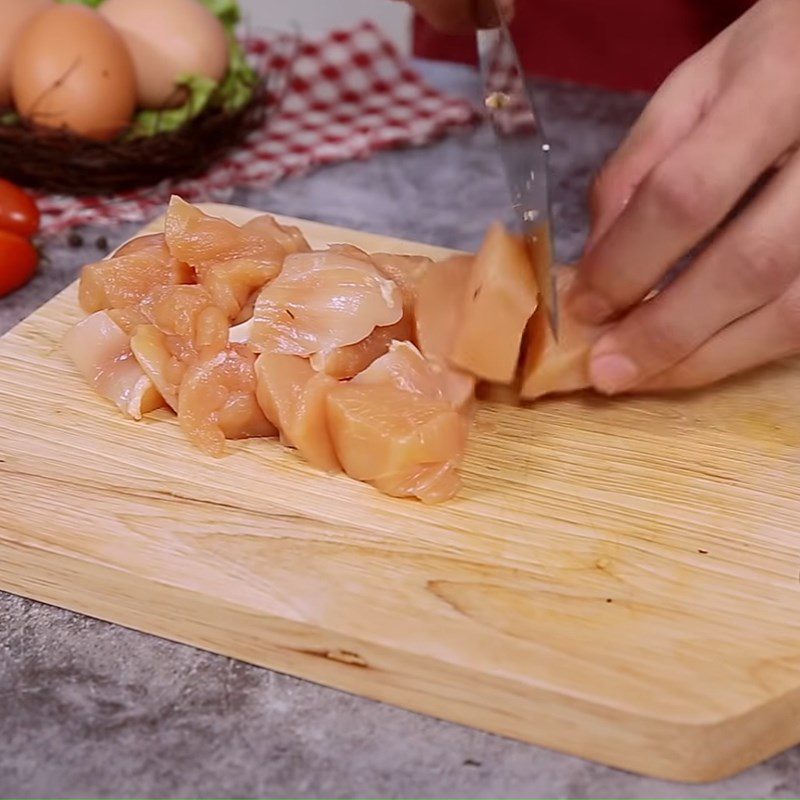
x: 188, y: 312
x: 501, y: 296
x: 185, y: 324
x: 234, y: 284
x: 405, y: 444
x: 217, y: 400
x: 242, y: 418
x: 406, y: 271
x: 125, y: 280
x: 403, y: 270
x: 396, y: 426
x: 163, y: 366
x: 406, y: 368
x: 438, y: 314
x: 293, y: 397
x: 149, y: 240
x: 440, y: 305
x: 551, y: 367
x: 246, y: 313
x: 200, y: 239
x: 127, y: 318
x: 231, y: 261
x: 351, y: 251
x: 321, y: 301
x: 429, y: 483
x: 345, y: 362
x: 101, y: 351
x: 459, y: 387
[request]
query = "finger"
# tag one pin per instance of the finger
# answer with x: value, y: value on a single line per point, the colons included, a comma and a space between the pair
x: 751, y: 263
x: 671, y: 114
x: 684, y: 198
x: 766, y: 335
x: 673, y: 111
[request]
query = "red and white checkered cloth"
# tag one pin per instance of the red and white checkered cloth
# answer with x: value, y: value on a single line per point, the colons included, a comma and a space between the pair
x: 350, y: 94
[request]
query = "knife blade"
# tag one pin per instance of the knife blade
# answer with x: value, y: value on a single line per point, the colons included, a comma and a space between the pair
x: 523, y: 152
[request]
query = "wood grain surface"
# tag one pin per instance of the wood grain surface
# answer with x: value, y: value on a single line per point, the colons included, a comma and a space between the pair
x: 618, y: 579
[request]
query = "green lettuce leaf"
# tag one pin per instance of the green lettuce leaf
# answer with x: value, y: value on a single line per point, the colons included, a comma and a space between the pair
x: 227, y: 11
x: 149, y: 122
x: 237, y: 86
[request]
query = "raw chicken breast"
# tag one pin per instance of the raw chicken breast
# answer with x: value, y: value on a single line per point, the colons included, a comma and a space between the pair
x: 551, y: 367
x: 127, y: 318
x: 246, y: 332
x: 405, y: 367
x: 246, y: 313
x: 404, y: 444
x: 217, y: 400
x: 406, y: 271
x: 101, y: 351
x: 403, y: 271
x: 437, y: 318
x: 293, y: 397
x: 164, y: 367
x: 351, y: 251
x: 125, y: 280
x: 184, y: 324
x: 500, y: 297
x: 232, y: 262
x: 321, y: 301
x: 440, y: 304
x: 149, y: 240
x: 234, y: 284
x: 393, y: 426
x: 187, y: 312
x: 200, y: 239
x: 345, y: 362
x: 349, y: 360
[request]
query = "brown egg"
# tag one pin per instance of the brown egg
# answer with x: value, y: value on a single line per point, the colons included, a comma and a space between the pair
x: 168, y: 39
x: 15, y: 14
x: 72, y: 70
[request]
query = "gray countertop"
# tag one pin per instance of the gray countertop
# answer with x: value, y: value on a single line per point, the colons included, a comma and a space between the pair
x: 90, y: 709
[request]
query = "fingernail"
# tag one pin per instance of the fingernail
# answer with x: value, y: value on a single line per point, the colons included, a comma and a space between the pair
x: 612, y: 373
x: 589, y: 307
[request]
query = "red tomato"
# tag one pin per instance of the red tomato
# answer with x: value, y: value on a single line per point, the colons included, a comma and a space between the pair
x: 18, y: 211
x: 18, y: 259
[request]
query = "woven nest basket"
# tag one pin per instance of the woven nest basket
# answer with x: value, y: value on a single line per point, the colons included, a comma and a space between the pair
x: 61, y: 162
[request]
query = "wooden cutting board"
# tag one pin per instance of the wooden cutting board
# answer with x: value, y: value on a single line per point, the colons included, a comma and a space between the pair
x: 619, y: 580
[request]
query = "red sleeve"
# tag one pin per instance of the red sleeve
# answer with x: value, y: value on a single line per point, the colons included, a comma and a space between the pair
x: 620, y: 44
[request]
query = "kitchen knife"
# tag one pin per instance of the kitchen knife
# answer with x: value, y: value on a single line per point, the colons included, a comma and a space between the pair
x: 523, y: 151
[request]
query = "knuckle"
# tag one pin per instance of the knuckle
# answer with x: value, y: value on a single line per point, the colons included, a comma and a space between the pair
x: 685, y: 195
x: 662, y: 341
x: 761, y: 265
